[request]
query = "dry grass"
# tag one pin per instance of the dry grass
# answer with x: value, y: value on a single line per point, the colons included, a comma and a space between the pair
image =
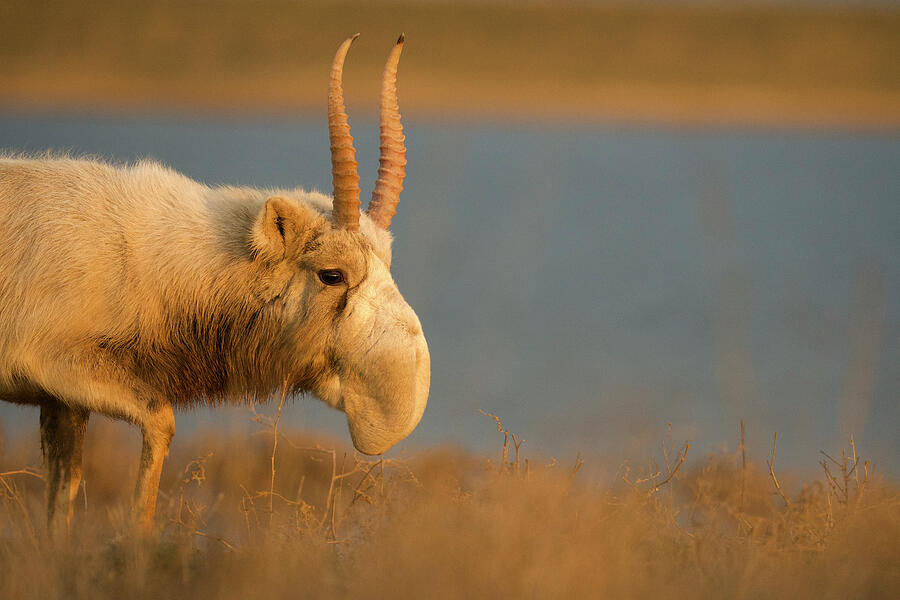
x: 700, y: 62
x: 244, y: 517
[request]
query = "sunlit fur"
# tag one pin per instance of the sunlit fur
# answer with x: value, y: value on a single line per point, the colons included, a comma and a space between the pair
x: 127, y: 288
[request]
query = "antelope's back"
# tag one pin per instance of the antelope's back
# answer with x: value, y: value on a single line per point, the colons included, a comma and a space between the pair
x: 69, y: 233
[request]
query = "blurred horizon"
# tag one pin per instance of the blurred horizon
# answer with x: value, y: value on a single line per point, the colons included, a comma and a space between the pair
x: 748, y: 63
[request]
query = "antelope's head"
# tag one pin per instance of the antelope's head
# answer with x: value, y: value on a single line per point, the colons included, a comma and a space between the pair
x: 361, y: 345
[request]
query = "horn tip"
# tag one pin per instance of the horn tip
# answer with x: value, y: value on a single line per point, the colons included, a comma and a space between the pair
x: 353, y: 37
x: 401, y: 39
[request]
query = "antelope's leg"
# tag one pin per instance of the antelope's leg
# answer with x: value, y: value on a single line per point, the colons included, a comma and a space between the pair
x: 62, y: 439
x: 158, y: 428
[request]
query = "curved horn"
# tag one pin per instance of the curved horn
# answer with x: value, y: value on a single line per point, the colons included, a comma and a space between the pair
x: 344, y: 175
x: 392, y: 162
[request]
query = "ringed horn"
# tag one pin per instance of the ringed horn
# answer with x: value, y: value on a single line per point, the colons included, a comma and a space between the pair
x: 392, y: 161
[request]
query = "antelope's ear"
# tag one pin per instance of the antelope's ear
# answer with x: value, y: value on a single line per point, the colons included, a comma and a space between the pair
x: 279, y: 228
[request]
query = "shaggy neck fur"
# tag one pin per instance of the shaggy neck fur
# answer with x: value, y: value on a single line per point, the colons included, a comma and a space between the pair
x: 235, y: 336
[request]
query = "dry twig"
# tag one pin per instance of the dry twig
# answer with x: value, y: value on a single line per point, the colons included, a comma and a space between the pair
x: 771, y: 463
x: 505, y: 455
x: 743, y: 466
x: 275, y: 422
x: 687, y: 446
x: 579, y: 462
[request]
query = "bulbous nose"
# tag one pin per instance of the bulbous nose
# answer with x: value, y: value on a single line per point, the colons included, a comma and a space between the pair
x: 388, y: 411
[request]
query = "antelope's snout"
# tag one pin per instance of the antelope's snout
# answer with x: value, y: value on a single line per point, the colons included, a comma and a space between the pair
x: 387, y: 401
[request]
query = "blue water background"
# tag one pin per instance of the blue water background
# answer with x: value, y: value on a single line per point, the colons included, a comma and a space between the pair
x: 592, y: 284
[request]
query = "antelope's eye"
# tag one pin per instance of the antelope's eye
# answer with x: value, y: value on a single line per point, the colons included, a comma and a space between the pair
x: 331, y: 277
